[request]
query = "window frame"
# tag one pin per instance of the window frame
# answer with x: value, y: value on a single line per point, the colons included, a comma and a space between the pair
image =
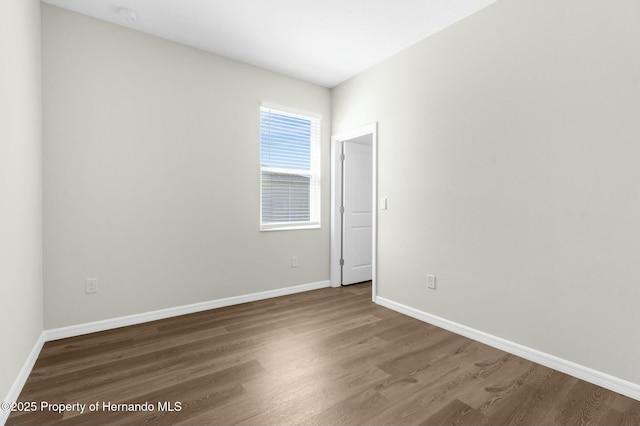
x: 314, y: 171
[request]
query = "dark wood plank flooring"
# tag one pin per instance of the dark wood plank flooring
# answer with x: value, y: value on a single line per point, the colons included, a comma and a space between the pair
x: 328, y: 356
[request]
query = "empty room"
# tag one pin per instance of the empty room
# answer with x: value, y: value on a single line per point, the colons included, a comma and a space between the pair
x: 340, y: 212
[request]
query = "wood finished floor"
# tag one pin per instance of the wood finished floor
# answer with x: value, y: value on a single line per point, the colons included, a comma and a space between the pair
x: 323, y: 357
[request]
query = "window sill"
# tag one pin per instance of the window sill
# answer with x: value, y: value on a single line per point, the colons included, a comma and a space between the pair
x: 269, y: 228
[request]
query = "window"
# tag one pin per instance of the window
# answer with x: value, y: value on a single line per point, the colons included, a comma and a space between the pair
x: 289, y: 170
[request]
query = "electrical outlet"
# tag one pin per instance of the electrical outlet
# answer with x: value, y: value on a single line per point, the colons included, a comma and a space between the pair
x: 294, y: 262
x: 91, y: 285
x: 431, y: 282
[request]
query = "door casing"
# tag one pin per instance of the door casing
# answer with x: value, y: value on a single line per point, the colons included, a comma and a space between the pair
x: 336, y: 202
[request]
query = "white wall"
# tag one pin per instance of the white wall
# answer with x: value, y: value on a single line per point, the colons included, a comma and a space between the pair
x: 151, y: 168
x: 20, y: 186
x: 508, y: 148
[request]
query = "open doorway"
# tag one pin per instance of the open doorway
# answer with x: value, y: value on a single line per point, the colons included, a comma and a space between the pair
x: 353, y: 207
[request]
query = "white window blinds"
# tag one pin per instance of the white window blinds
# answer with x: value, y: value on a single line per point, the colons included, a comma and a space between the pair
x: 289, y: 170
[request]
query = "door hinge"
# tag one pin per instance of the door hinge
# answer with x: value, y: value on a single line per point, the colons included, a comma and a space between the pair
x: 342, y: 157
x: 341, y: 262
x: 342, y: 209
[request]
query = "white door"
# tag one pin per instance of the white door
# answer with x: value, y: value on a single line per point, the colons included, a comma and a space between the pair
x: 357, y: 217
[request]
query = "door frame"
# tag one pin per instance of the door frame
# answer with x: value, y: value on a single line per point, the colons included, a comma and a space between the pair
x: 336, y: 202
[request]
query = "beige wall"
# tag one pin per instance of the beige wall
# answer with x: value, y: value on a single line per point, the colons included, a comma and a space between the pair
x: 508, y: 149
x: 151, y: 168
x: 20, y: 186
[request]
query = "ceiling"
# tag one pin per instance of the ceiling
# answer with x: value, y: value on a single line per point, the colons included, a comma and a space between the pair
x: 323, y: 41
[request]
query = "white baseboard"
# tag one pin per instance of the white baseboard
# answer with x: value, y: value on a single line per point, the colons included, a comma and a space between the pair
x: 604, y: 380
x: 632, y: 390
x: 23, y: 375
x: 92, y: 327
